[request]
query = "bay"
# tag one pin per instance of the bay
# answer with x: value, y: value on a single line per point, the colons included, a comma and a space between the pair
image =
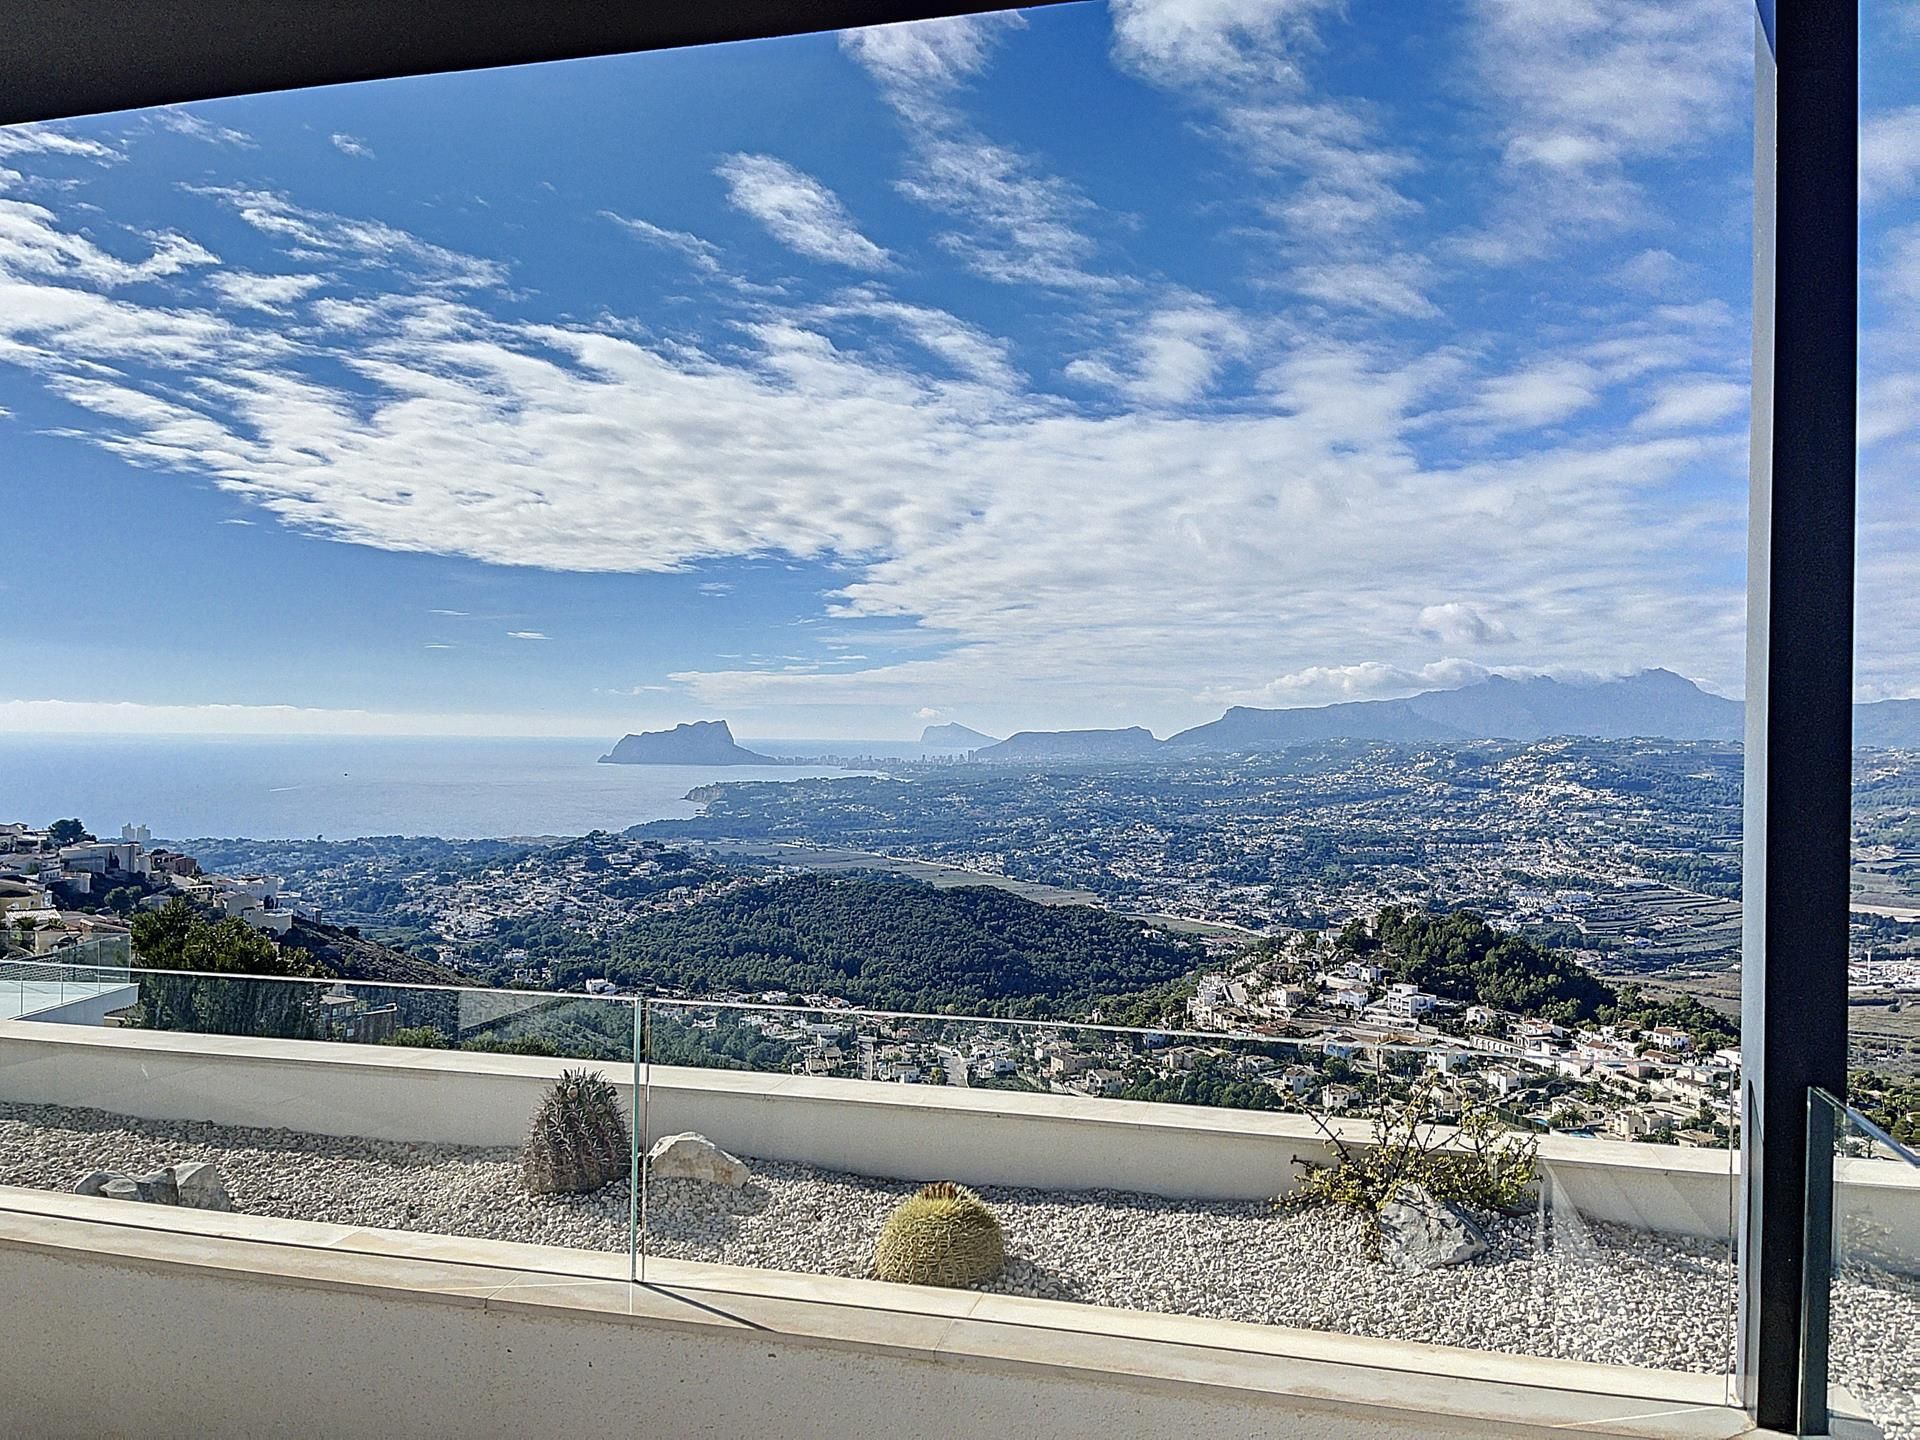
x: 342, y: 788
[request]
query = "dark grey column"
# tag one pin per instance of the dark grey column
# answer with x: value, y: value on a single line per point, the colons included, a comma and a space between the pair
x: 1799, y: 657
x: 80, y: 57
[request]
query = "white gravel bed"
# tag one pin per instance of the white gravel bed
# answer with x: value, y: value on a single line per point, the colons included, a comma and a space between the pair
x: 1551, y: 1285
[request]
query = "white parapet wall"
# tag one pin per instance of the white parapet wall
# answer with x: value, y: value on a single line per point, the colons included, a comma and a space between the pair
x: 909, y: 1132
x: 180, y: 1322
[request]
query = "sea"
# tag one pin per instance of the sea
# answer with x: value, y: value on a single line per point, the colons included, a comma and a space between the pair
x: 232, y: 787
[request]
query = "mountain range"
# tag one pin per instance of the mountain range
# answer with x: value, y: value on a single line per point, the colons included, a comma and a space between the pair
x: 1654, y: 704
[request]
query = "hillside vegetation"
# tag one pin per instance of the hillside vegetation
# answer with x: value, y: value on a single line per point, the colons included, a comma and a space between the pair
x: 1458, y: 956
x: 890, y: 944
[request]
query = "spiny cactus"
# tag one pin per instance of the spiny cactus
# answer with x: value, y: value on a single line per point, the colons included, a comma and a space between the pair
x: 579, y: 1138
x: 945, y: 1235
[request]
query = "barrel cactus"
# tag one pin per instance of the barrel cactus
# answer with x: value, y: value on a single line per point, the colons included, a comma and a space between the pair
x: 945, y: 1235
x: 579, y: 1139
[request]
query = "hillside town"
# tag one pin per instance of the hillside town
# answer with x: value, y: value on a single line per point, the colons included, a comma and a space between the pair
x: 70, y: 896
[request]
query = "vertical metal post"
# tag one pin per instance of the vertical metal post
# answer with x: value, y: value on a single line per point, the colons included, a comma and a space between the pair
x: 640, y: 1129
x: 636, y: 1125
x: 1798, y: 799
x: 1816, y: 1276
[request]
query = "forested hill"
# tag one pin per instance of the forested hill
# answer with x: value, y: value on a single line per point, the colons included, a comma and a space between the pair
x: 1458, y: 956
x: 342, y: 952
x: 893, y: 944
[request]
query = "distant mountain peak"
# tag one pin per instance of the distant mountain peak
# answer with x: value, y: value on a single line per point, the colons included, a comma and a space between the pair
x: 1135, y: 742
x: 954, y: 737
x: 1653, y: 703
x: 697, y: 742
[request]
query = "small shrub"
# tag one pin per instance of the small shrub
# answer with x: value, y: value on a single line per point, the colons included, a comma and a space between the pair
x: 417, y: 1037
x: 579, y: 1139
x: 944, y: 1235
x: 1482, y: 1165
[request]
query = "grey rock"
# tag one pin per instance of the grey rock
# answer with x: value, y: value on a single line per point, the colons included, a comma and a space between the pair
x: 199, y: 1185
x: 157, y: 1187
x: 1420, y: 1231
x: 94, y: 1183
x: 121, y: 1187
x: 694, y: 1157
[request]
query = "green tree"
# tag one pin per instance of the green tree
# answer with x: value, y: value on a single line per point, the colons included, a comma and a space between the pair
x: 68, y: 832
x: 244, y: 984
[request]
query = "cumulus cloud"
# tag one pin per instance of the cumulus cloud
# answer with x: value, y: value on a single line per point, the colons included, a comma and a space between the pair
x: 799, y: 212
x: 1367, y: 680
x: 351, y: 145
x: 1458, y: 623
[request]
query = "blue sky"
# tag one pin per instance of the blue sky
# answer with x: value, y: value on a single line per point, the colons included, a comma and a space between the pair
x: 1101, y: 365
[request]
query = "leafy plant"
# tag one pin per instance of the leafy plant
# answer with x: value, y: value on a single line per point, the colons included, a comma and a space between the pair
x: 1480, y: 1163
x: 944, y: 1235
x: 579, y: 1139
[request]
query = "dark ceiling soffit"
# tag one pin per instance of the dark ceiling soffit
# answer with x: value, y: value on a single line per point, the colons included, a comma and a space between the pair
x: 62, y: 58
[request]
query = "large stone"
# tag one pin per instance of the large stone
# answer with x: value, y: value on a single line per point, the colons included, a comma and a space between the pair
x: 694, y: 1157
x: 1420, y: 1231
x: 199, y: 1185
x: 94, y: 1184
x: 121, y: 1187
x: 157, y: 1187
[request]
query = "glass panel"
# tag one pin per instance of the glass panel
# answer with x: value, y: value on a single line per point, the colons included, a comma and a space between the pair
x: 1111, y: 1190
x: 505, y: 1149
x: 1873, y: 1180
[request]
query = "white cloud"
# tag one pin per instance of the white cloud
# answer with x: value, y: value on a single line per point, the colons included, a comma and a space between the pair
x: 197, y: 127
x: 1174, y: 357
x: 991, y: 540
x: 1458, y: 623
x: 799, y: 212
x: 1889, y: 408
x: 1889, y: 154
x: 1016, y: 224
x: 930, y: 55
x: 527, y: 635
x: 1651, y: 272
x: 318, y: 233
x: 351, y: 145
x: 1544, y: 393
x: 1898, y: 277
x: 1186, y: 42
x: 1367, y: 680
x: 1693, y: 402
x: 272, y: 293
x: 1577, y: 90
x: 49, y: 140
x: 966, y: 348
x: 32, y: 244
x: 1393, y: 286
x: 703, y: 254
